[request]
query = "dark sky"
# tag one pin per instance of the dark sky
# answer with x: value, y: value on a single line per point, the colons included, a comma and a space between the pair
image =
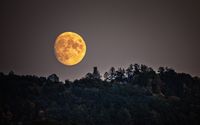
x: 117, y: 33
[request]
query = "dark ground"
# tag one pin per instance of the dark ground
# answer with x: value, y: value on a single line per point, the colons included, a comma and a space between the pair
x: 135, y: 96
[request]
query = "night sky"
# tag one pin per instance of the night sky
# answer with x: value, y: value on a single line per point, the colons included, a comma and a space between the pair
x: 117, y: 33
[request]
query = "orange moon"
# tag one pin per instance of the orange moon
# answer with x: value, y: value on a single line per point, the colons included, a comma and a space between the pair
x: 70, y: 48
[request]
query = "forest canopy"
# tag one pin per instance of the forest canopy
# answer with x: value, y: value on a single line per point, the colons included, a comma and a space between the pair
x: 135, y: 95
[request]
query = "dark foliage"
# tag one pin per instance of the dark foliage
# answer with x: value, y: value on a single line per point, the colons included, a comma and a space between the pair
x: 134, y: 96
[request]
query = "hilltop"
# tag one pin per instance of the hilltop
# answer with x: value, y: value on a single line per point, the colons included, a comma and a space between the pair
x: 136, y: 95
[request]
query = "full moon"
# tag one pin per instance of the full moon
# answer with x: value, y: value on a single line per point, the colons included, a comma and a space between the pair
x: 70, y: 48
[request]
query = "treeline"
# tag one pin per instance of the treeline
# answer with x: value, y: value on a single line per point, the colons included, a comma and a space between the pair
x: 135, y: 95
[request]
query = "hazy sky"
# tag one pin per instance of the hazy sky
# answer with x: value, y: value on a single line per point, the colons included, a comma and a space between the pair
x: 117, y: 33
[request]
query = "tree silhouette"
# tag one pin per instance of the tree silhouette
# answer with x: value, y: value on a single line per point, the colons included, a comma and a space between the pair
x: 136, y: 69
x: 106, y: 76
x: 145, y: 97
x: 96, y: 73
x: 112, y: 74
x: 130, y: 72
x: 120, y: 75
x: 53, y: 78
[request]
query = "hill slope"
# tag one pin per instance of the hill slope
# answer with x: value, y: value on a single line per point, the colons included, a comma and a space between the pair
x: 145, y: 98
